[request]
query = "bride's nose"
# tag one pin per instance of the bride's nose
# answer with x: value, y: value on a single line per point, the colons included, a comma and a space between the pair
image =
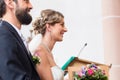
x: 65, y: 29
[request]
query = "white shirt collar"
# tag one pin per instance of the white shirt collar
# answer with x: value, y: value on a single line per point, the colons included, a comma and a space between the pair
x: 20, y: 34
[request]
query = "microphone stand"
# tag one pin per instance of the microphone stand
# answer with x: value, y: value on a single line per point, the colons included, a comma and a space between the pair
x: 82, y: 49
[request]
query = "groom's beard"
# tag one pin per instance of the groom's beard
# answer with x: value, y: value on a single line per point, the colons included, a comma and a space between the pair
x: 23, y: 16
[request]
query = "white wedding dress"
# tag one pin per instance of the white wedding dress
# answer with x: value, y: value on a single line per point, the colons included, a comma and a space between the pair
x: 58, y: 73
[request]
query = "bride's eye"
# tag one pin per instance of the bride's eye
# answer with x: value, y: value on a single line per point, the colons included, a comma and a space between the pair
x: 62, y: 24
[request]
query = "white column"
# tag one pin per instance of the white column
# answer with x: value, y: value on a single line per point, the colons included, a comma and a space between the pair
x: 111, y: 31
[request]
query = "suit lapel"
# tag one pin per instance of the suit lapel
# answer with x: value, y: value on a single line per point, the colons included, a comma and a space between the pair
x: 18, y: 38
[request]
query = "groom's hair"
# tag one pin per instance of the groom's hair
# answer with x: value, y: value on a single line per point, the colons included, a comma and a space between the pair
x: 2, y: 8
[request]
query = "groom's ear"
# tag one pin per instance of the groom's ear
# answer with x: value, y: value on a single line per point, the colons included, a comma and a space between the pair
x: 9, y: 4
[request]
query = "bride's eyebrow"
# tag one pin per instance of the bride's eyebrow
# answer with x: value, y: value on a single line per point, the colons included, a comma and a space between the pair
x: 26, y: 1
x: 62, y: 22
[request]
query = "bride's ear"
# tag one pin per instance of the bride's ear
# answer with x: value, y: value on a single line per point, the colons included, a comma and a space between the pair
x: 48, y: 27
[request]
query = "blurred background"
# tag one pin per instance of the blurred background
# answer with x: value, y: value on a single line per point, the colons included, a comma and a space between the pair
x: 95, y: 22
x: 83, y: 21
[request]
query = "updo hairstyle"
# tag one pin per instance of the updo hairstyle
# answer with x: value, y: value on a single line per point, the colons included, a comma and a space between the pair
x: 48, y: 16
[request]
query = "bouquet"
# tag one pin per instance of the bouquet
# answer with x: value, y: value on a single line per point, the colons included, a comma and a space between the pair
x: 90, y: 72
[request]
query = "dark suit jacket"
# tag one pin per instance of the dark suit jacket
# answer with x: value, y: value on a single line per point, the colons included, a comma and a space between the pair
x: 15, y: 61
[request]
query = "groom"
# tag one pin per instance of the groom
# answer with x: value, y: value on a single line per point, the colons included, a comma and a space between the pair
x: 15, y: 61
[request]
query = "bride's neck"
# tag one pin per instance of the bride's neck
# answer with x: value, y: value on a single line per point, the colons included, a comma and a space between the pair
x: 47, y: 43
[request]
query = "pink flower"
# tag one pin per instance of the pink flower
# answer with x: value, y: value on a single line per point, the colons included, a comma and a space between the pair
x: 80, y: 74
x: 90, y: 71
x: 103, y: 71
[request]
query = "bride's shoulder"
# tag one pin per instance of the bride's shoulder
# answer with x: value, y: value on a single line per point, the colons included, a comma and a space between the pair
x: 40, y: 50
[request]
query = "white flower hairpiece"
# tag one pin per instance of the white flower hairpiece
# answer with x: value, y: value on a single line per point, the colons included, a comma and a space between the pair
x: 40, y: 18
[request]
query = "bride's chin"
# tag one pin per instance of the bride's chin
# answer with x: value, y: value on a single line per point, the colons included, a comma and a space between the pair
x: 60, y: 40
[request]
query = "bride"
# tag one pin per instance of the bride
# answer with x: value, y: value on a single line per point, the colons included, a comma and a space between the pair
x: 51, y: 27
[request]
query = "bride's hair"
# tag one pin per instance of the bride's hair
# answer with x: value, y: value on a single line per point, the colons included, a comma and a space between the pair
x: 48, y: 16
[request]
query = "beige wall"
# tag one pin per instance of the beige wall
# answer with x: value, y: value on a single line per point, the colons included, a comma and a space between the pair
x: 111, y: 33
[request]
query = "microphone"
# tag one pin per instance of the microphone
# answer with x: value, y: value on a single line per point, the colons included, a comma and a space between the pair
x: 82, y: 49
x: 66, y: 72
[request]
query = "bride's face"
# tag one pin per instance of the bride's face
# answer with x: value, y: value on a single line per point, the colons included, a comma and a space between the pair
x: 58, y: 30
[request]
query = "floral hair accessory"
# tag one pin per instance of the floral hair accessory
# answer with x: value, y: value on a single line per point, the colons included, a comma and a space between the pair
x: 36, y: 59
x: 90, y: 72
x: 40, y: 18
